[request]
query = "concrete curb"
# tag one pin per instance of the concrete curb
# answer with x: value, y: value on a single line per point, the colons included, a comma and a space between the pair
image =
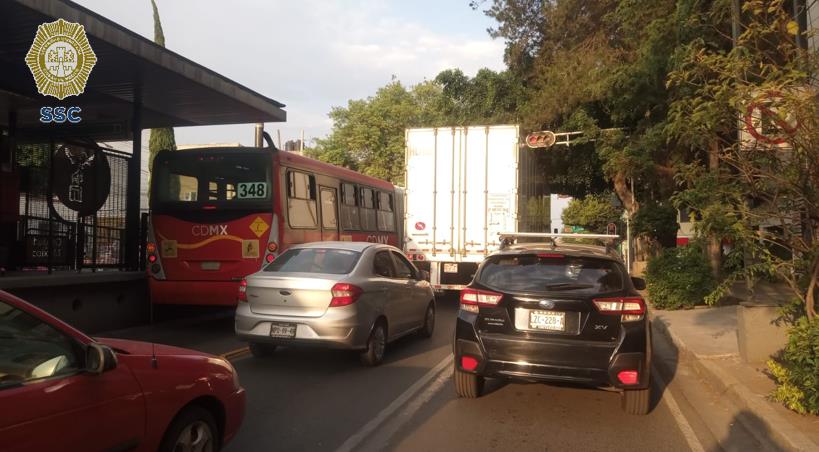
x: 781, y: 432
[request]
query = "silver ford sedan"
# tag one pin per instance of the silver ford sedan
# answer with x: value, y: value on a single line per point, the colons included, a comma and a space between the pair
x: 349, y: 295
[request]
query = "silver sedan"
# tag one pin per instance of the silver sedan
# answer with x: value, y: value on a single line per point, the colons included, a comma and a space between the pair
x: 350, y: 295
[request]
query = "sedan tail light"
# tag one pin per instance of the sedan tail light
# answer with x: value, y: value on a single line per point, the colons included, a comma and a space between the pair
x: 472, y: 299
x: 242, y: 296
x: 344, y: 294
x: 631, y: 308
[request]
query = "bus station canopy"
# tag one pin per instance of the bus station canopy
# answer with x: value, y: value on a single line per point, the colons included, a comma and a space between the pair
x: 135, y: 84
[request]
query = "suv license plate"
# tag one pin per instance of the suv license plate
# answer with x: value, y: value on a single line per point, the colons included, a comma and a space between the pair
x: 287, y: 330
x: 547, y: 320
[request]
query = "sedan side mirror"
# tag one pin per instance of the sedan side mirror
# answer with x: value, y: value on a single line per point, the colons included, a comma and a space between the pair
x: 639, y: 283
x: 423, y: 275
x: 99, y: 358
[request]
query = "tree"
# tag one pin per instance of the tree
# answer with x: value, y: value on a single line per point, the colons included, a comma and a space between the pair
x: 368, y: 134
x: 593, y: 213
x: 765, y: 197
x: 160, y: 138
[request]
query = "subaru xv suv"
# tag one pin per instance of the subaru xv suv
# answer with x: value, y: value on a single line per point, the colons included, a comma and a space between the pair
x: 554, y: 312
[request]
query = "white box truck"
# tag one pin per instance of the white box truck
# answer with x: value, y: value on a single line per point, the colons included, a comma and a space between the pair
x: 464, y: 185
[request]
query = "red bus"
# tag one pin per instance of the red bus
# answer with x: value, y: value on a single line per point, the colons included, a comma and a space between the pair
x: 220, y: 214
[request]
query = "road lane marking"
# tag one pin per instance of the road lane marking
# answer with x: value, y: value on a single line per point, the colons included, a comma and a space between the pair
x: 235, y: 354
x: 354, y: 441
x: 685, y: 428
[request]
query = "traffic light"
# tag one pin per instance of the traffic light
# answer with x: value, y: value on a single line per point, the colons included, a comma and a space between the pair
x: 543, y: 139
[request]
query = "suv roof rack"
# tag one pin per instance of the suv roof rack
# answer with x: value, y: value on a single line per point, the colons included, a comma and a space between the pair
x: 508, y: 238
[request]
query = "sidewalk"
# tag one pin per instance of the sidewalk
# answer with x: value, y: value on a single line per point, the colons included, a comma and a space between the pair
x: 707, y: 338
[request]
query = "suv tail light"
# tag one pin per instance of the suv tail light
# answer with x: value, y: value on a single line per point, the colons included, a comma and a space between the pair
x: 631, y: 308
x: 344, y: 294
x: 472, y: 299
x: 242, y: 296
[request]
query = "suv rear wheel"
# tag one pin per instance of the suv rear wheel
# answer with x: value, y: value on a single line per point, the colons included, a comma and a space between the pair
x: 467, y: 386
x: 636, y: 401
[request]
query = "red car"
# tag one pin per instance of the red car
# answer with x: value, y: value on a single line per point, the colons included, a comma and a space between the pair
x: 62, y: 390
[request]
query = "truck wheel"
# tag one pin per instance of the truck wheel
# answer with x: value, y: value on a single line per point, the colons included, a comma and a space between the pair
x: 635, y: 401
x: 467, y: 386
x: 261, y: 350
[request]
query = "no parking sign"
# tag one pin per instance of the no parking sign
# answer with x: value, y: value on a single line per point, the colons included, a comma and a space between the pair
x: 766, y: 123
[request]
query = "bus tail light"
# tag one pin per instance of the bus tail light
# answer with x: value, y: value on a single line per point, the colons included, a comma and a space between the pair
x: 152, y: 258
x: 242, y: 296
x: 150, y: 248
x: 272, y: 247
x: 270, y: 258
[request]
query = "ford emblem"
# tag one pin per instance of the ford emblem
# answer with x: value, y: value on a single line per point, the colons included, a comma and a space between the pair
x: 547, y: 304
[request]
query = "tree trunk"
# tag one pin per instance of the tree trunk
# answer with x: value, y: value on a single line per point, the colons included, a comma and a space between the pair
x: 714, y: 249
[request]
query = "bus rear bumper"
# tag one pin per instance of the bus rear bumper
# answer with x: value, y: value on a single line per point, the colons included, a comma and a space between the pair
x: 202, y: 293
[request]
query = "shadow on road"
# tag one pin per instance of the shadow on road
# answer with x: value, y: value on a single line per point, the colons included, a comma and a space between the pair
x: 737, y: 438
x: 665, y: 358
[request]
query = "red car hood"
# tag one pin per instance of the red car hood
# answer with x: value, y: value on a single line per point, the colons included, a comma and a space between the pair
x: 146, y: 348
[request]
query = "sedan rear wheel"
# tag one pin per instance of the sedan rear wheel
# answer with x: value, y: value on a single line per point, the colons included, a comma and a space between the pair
x: 193, y: 430
x: 467, y: 385
x: 376, y: 344
x: 429, y: 321
x: 636, y: 401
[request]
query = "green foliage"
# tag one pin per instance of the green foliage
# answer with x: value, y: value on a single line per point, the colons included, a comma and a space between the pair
x: 657, y: 222
x: 160, y: 139
x: 368, y: 134
x: 593, y: 213
x: 763, y: 197
x: 679, y: 278
x: 538, y: 213
x: 797, y: 371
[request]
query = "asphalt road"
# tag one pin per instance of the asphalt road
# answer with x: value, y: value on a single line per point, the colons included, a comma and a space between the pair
x: 322, y: 400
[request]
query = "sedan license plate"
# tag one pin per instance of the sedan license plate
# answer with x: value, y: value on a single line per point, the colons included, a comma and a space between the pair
x: 287, y: 330
x: 547, y: 320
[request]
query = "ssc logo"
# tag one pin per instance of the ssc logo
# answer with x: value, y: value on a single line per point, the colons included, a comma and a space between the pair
x: 60, y: 59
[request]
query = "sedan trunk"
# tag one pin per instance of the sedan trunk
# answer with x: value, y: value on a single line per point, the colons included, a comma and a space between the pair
x: 290, y: 294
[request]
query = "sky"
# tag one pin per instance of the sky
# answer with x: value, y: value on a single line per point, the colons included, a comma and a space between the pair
x: 313, y: 55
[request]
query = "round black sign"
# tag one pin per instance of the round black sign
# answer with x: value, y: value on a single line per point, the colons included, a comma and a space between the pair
x: 82, y: 178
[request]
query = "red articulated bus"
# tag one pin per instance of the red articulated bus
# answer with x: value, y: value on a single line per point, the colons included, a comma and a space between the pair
x: 220, y: 214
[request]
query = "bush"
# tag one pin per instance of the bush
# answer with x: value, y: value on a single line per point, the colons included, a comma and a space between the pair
x: 797, y: 370
x: 679, y: 278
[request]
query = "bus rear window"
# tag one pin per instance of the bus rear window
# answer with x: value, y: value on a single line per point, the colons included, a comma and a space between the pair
x: 214, y: 179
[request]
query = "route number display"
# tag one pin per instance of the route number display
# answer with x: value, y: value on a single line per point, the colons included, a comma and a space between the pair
x: 252, y: 190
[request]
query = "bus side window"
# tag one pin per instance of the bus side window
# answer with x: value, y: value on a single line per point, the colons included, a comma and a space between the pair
x: 349, y: 208
x: 386, y: 218
x: 301, y: 200
x: 367, y: 207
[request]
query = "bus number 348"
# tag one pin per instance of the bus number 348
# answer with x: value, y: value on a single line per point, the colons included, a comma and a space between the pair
x: 252, y: 190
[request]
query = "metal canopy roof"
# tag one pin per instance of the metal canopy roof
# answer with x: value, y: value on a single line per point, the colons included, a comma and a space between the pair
x: 132, y: 75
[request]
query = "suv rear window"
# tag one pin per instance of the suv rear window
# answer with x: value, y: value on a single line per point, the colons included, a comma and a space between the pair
x: 531, y: 273
x: 315, y: 260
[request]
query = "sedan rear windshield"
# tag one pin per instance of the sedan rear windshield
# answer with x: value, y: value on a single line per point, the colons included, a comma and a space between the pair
x: 315, y: 260
x: 532, y: 273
